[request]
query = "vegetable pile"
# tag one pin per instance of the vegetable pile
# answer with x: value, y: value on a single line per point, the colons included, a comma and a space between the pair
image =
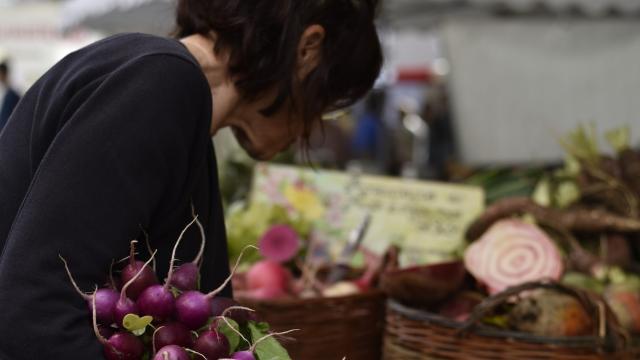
x: 138, y: 317
x: 579, y: 228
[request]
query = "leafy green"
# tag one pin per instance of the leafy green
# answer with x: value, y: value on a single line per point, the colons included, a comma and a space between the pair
x: 619, y: 138
x: 228, y: 331
x: 269, y: 348
x: 583, y: 144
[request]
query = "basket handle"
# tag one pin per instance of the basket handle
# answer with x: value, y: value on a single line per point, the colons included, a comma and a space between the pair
x: 605, y: 321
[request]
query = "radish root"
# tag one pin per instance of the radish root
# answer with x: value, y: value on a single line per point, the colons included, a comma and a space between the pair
x: 234, y: 329
x: 123, y: 293
x: 148, y: 244
x: 153, y: 339
x: 231, y: 308
x: 253, y: 347
x: 233, y: 271
x: 173, y: 253
x: 198, y: 259
x: 73, y: 282
x: 101, y: 338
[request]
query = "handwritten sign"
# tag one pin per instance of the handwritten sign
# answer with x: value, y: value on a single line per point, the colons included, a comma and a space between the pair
x: 427, y: 219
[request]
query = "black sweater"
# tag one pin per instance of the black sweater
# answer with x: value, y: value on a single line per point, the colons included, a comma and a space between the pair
x: 113, y: 138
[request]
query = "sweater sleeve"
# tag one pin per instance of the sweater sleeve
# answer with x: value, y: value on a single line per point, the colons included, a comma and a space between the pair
x: 118, y: 162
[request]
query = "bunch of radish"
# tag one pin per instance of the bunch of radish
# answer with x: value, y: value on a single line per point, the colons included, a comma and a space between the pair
x: 173, y: 320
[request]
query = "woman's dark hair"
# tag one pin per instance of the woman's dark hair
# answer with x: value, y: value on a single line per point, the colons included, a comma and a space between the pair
x: 261, y: 39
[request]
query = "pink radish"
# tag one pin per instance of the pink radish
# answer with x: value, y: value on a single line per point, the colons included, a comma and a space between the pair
x: 172, y: 334
x: 172, y: 352
x: 158, y: 300
x: 146, y: 278
x: 212, y: 345
x: 193, y: 308
x: 105, y: 299
x: 186, y: 276
x: 119, y: 346
x: 280, y: 243
x: 125, y: 305
x: 268, y: 279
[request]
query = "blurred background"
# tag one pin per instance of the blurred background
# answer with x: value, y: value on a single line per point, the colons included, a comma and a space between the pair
x: 472, y: 90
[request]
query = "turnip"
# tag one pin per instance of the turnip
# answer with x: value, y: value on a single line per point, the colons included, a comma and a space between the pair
x: 125, y: 305
x: 105, y: 299
x: 146, y: 278
x: 186, y: 276
x: 212, y: 344
x: 158, y: 300
x: 243, y: 355
x: 172, y: 334
x: 193, y: 308
x: 172, y: 352
x: 119, y: 346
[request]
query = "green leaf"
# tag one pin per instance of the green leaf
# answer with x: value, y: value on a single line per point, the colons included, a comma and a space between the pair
x: 267, y: 349
x: 137, y: 325
x: 232, y: 336
x: 619, y: 138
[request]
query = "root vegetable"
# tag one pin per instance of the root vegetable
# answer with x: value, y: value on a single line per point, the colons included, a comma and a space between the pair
x: 105, y: 299
x: 172, y: 352
x: 193, y: 308
x: 581, y: 220
x: 212, y: 345
x: 548, y: 313
x: 186, y: 276
x: 119, y: 346
x: 243, y: 355
x: 172, y: 334
x: 268, y: 279
x: 280, y: 243
x: 145, y: 279
x: 512, y: 252
x: 158, y: 300
x: 125, y: 305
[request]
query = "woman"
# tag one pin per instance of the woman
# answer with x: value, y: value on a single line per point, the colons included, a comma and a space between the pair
x: 116, y: 137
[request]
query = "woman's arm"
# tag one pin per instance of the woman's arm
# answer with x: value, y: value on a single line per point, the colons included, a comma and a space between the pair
x: 119, y: 160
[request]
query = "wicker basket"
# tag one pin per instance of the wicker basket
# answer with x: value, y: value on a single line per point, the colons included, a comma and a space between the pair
x: 330, y: 328
x: 412, y: 334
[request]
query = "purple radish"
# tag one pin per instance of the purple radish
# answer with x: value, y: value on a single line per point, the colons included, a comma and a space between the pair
x: 105, y: 331
x: 105, y: 299
x: 119, y: 346
x: 186, y: 276
x: 243, y: 355
x: 172, y: 352
x: 146, y: 278
x: 219, y: 306
x: 212, y: 345
x: 158, y: 300
x: 280, y: 243
x: 172, y: 334
x: 125, y: 305
x: 193, y: 308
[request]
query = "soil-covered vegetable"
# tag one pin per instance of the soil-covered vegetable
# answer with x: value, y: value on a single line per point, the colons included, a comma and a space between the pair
x: 548, y: 313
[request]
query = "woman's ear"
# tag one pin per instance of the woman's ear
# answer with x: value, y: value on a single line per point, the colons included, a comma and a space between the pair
x: 309, y: 50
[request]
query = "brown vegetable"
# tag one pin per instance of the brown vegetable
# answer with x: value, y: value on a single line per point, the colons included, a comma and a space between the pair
x: 549, y: 313
x: 577, y: 219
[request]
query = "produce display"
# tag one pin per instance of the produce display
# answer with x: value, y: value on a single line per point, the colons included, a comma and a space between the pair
x: 579, y: 228
x: 138, y: 317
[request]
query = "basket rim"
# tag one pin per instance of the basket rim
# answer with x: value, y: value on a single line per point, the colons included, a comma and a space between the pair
x: 287, y: 302
x: 483, y: 330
